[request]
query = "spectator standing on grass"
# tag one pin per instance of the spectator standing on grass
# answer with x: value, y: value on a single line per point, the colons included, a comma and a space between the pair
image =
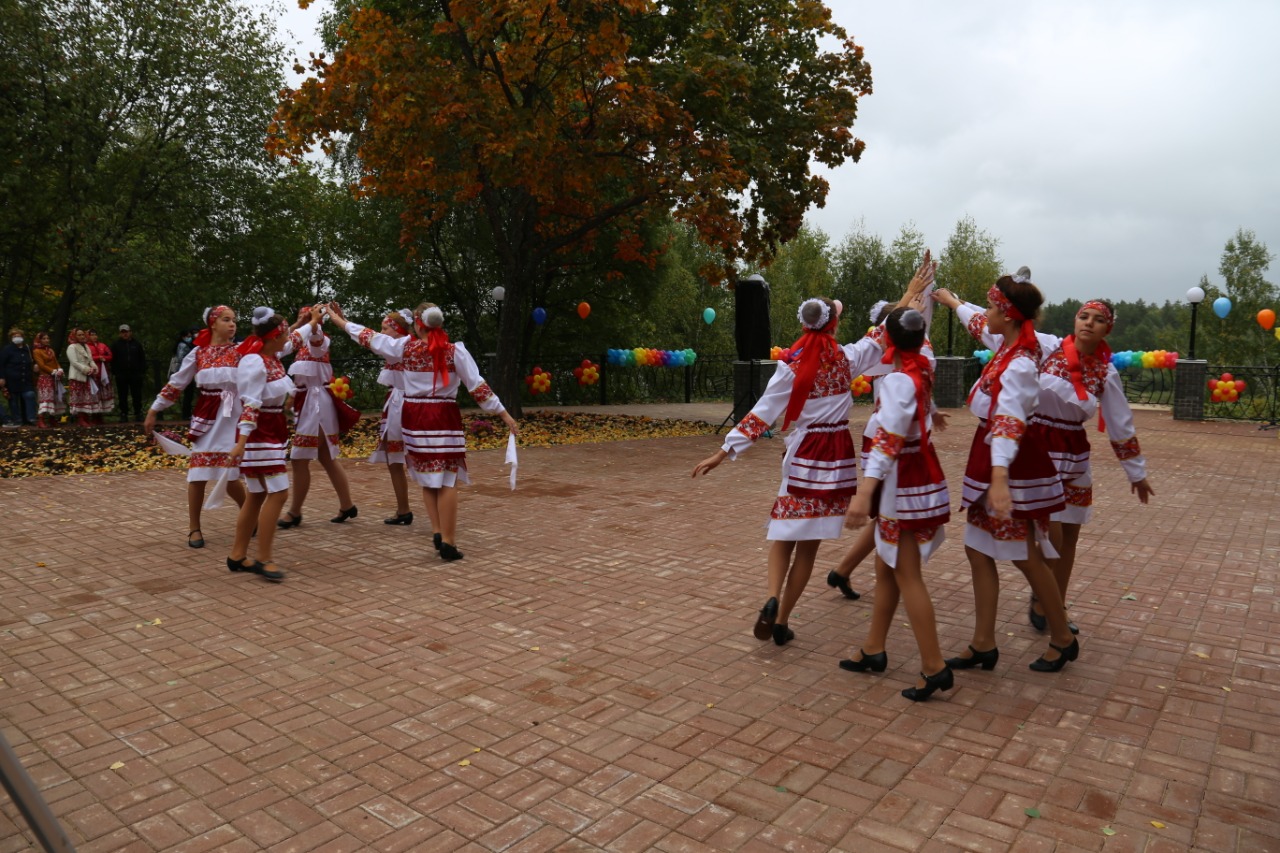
x: 17, y: 377
x: 184, y: 346
x: 129, y: 363
x: 101, y: 353
x: 50, y: 397
x: 82, y: 391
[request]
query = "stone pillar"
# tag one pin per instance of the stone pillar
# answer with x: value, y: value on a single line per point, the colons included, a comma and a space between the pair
x: 949, y: 389
x: 1190, y: 379
x: 749, y: 381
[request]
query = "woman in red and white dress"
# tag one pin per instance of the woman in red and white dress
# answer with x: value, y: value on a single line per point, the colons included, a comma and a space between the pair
x: 263, y: 436
x: 810, y: 388
x: 390, y: 449
x: 315, y: 434
x: 1076, y: 380
x: 49, y: 393
x: 904, y: 492
x: 82, y: 390
x: 1011, y: 486
x: 102, y: 376
x: 434, y: 368
x: 212, y: 364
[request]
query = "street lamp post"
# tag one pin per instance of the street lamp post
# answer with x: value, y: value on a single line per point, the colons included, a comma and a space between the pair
x: 499, y: 293
x: 1195, y: 296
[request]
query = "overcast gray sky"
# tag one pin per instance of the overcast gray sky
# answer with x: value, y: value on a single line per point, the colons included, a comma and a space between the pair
x: 1113, y: 147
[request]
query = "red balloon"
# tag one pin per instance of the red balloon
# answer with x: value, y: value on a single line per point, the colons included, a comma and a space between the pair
x: 1239, y: 384
x: 1213, y: 383
x: 583, y: 310
x: 1226, y: 377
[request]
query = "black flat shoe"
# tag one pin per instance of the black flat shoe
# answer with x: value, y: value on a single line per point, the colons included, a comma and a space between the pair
x: 344, y: 514
x: 782, y: 635
x: 273, y: 575
x: 1037, y: 620
x: 943, y: 680
x: 195, y: 543
x: 449, y: 552
x: 238, y: 565
x: 436, y: 540
x: 866, y: 663
x: 840, y: 582
x: 1075, y: 629
x: 294, y: 521
x: 399, y: 518
x: 763, y: 629
x: 987, y: 660
x: 1065, y: 656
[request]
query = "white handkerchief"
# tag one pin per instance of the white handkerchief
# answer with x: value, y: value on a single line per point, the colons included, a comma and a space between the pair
x: 217, y: 497
x: 511, y: 458
x: 168, y: 445
x: 928, y: 306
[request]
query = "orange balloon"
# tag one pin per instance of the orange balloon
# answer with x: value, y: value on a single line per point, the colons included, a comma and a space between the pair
x: 583, y: 310
x: 1266, y: 318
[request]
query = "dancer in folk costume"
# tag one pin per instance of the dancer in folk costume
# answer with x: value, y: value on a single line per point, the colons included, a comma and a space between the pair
x: 49, y: 393
x: 435, y: 444
x: 1076, y: 380
x: 82, y: 389
x: 903, y: 491
x: 212, y: 364
x: 810, y: 387
x: 321, y: 419
x: 1011, y: 486
x: 390, y: 449
x: 263, y: 437
x: 102, y: 356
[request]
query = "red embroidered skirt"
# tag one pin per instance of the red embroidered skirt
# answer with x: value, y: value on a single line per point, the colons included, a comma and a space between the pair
x: 1067, y: 444
x: 1034, y: 483
x: 825, y: 464
x: 921, y: 498
x: 264, y: 452
x: 204, y: 414
x: 433, y: 436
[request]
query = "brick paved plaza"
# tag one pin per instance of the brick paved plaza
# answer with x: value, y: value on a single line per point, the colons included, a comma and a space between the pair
x: 586, y: 678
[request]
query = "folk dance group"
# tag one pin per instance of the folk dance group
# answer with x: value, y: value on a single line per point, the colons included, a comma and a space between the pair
x: 239, y: 430
x: 1027, y: 485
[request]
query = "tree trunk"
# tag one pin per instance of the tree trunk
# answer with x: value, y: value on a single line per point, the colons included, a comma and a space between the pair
x: 62, y: 316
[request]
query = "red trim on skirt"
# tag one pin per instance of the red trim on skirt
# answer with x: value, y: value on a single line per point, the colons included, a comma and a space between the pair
x: 1034, y: 483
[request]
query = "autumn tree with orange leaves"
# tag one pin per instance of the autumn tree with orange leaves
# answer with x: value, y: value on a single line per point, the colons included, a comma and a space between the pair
x: 562, y: 124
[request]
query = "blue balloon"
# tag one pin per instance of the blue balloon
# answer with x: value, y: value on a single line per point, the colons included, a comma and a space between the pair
x: 708, y: 315
x: 1222, y: 306
x: 539, y: 316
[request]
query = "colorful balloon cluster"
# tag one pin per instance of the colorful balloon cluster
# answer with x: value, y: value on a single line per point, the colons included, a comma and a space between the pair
x: 642, y: 357
x: 588, y: 373
x: 1225, y: 389
x: 983, y: 355
x: 341, y: 388
x: 1154, y: 360
x: 861, y: 385
x: 538, y: 381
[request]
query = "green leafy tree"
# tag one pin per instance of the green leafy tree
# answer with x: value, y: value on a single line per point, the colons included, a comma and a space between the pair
x: 968, y: 265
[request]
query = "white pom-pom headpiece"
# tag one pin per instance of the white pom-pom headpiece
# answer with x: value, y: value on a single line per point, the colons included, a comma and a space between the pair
x: 876, y: 309
x: 433, y: 317
x: 204, y: 316
x: 824, y: 314
x: 407, y: 316
x: 911, y: 320
x: 262, y: 314
x: 1022, y: 276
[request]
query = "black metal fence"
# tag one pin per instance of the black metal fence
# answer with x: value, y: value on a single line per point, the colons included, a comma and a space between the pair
x: 1150, y: 386
x: 1257, y: 401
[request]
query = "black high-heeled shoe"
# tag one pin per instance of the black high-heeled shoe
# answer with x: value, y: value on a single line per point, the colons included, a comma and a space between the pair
x: 840, y: 582
x: 450, y: 553
x: 344, y: 514
x: 943, y: 680
x: 1065, y: 656
x: 238, y: 565
x: 436, y: 540
x: 987, y: 660
x: 878, y: 662
x: 782, y: 634
x: 763, y: 629
x: 273, y: 575
x: 399, y: 518
x: 294, y: 521
x: 1037, y: 620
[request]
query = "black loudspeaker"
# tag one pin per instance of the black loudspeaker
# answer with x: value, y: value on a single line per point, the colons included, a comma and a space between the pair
x: 751, y: 318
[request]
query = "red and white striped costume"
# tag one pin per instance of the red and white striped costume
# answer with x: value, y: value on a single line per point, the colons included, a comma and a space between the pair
x: 435, y: 444
x: 264, y: 387
x: 213, y: 419
x: 1034, y: 484
x: 820, y: 468
x: 390, y: 447
x: 914, y: 500
x: 313, y: 403
x: 1061, y: 418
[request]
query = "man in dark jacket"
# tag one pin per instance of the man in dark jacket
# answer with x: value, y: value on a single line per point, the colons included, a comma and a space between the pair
x: 18, y: 379
x: 129, y: 362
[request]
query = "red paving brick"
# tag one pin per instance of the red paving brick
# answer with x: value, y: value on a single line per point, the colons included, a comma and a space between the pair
x: 586, y: 678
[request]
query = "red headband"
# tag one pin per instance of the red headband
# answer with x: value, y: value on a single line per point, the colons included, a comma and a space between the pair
x: 997, y: 298
x: 1102, y: 308
x: 205, y: 336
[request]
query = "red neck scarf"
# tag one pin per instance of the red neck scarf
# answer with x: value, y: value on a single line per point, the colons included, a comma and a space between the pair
x: 438, y: 346
x: 916, y: 366
x: 205, y: 336
x: 1026, y: 342
x: 1075, y: 369
x: 807, y: 354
